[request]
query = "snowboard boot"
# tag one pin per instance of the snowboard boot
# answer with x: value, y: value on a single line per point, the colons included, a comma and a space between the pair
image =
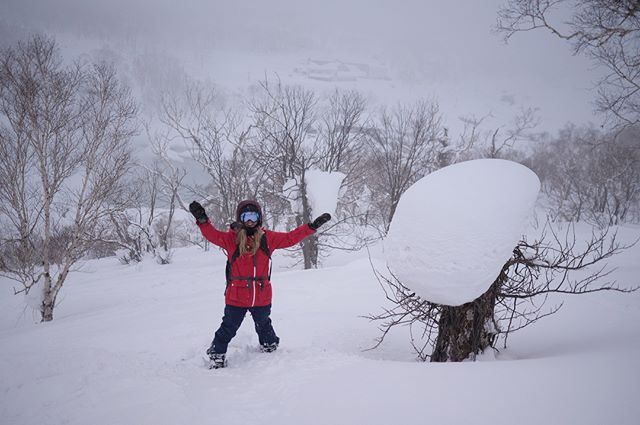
x: 269, y: 347
x: 217, y: 360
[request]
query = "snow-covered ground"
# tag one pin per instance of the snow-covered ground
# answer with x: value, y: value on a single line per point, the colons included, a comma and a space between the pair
x: 127, y: 342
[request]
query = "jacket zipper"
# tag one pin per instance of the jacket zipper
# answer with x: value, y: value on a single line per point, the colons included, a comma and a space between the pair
x: 253, y: 282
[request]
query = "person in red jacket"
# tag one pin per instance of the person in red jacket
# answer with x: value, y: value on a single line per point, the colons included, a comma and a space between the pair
x: 248, y: 246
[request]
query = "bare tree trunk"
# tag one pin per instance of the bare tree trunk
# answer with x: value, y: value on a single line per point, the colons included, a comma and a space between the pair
x: 48, y: 300
x: 392, y: 212
x: 47, y: 309
x: 310, y: 252
x: 310, y: 244
x: 467, y: 330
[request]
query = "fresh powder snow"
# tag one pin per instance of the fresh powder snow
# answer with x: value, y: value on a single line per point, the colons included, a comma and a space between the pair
x: 454, y: 229
x: 127, y: 343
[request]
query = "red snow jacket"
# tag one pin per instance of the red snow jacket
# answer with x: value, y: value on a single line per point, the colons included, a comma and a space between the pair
x: 251, y: 286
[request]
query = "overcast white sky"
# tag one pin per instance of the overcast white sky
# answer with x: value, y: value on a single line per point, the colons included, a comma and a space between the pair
x: 428, y: 48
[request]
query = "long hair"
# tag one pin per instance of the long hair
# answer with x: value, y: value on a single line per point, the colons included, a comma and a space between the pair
x: 249, y: 244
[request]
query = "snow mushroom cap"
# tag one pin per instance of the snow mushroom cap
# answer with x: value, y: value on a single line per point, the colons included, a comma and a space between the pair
x: 249, y: 205
x: 468, y: 230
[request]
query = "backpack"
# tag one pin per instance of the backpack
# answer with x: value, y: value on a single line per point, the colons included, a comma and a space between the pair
x: 264, y: 246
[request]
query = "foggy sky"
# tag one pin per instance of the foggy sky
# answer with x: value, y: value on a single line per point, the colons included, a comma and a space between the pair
x: 447, y: 51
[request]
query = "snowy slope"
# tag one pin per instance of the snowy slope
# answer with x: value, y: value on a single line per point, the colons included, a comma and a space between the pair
x: 127, y: 342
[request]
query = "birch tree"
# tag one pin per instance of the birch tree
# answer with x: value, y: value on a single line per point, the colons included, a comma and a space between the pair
x: 64, y: 133
x: 406, y: 143
x: 217, y: 138
x: 285, y: 148
x: 342, y: 127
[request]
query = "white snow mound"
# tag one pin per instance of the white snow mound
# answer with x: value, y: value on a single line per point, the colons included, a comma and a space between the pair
x: 323, y: 189
x: 454, y: 229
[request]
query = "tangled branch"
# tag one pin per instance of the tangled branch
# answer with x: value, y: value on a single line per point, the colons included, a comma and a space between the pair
x: 556, y: 263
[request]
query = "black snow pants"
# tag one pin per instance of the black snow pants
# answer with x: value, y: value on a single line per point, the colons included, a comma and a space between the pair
x: 233, y: 317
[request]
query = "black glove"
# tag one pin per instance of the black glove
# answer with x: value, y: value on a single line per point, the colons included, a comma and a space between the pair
x: 198, y: 212
x: 320, y: 221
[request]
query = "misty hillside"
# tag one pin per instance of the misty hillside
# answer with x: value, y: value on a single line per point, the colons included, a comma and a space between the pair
x: 419, y: 50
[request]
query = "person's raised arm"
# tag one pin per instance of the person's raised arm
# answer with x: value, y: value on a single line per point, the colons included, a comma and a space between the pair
x: 209, y: 232
x: 287, y: 239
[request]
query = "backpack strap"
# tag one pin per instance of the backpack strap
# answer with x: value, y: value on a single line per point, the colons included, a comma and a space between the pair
x: 264, y: 246
x: 227, y: 270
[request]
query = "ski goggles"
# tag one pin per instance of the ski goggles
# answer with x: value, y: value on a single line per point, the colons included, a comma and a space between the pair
x: 249, y: 216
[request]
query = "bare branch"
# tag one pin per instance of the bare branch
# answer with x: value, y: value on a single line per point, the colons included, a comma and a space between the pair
x: 517, y: 298
x: 607, y: 31
x: 64, y: 133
